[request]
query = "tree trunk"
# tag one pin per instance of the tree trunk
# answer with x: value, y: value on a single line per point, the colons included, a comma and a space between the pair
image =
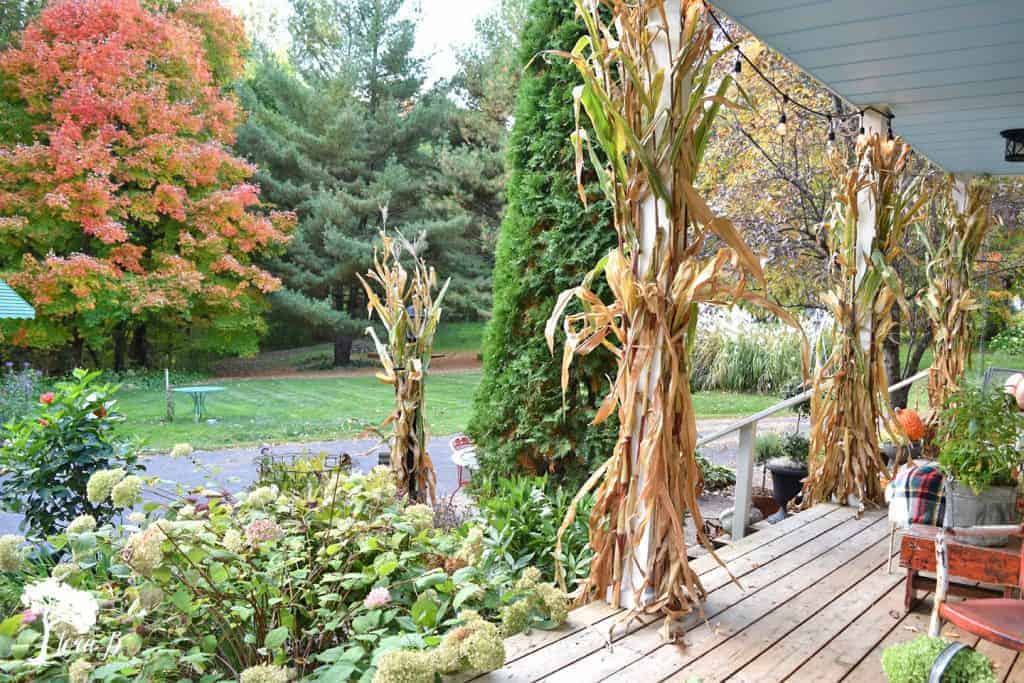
x: 891, y: 359
x: 77, y: 351
x: 120, y: 348
x: 140, y: 347
x: 342, y: 349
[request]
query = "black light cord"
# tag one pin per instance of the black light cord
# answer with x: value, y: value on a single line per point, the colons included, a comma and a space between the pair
x: 786, y: 98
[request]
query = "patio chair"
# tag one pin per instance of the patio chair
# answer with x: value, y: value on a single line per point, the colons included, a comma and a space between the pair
x: 464, y: 457
x: 996, y: 377
x: 998, y: 620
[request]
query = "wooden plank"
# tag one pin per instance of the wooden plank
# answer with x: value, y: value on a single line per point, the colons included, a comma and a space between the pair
x: 770, y: 552
x: 854, y: 642
x: 752, y: 542
x: 790, y: 653
x: 914, y: 624
x: 818, y: 622
x: 1016, y: 674
x: 1002, y: 658
x: 645, y: 656
x: 522, y: 645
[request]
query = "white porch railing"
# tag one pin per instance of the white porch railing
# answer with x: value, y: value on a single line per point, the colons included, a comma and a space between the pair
x: 747, y: 427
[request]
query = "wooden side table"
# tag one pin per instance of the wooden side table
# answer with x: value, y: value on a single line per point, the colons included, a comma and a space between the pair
x: 970, y: 563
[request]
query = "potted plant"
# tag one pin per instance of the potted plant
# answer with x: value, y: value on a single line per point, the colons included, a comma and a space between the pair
x: 767, y: 448
x: 789, y: 469
x: 912, y: 661
x: 977, y: 435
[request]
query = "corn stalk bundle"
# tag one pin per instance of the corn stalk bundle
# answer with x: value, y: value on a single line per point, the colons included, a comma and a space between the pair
x: 949, y: 300
x: 410, y: 311
x: 850, y: 397
x: 647, y: 91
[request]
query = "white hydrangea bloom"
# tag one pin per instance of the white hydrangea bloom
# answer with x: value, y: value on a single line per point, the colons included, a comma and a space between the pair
x: 62, y: 608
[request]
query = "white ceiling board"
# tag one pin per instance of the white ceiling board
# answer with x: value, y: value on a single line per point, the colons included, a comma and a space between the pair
x: 951, y: 71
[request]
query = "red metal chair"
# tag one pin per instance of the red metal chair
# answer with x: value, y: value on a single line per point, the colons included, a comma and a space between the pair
x: 997, y: 620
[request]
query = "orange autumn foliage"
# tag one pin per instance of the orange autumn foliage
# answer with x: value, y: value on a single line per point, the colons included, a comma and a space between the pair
x: 120, y: 199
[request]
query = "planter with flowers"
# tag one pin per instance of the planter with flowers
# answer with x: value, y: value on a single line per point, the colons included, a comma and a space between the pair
x: 978, y: 436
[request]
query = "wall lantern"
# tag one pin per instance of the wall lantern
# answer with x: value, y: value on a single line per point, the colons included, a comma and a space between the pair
x: 1014, y: 144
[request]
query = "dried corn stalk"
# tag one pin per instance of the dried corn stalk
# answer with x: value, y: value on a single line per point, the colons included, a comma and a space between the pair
x: 850, y: 399
x: 648, y: 93
x: 410, y: 313
x: 948, y: 301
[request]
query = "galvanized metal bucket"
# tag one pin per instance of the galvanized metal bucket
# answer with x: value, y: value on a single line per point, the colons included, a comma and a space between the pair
x: 995, y: 505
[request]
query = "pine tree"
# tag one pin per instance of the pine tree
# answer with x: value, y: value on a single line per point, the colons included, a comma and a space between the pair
x: 544, y: 247
x: 345, y: 133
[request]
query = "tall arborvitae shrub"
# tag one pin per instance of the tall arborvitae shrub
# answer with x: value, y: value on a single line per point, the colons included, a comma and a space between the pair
x: 547, y: 243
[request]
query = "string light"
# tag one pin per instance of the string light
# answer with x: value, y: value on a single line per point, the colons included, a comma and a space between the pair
x: 781, y: 128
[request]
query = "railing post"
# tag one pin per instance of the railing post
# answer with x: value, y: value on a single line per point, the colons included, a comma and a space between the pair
x: 744, y: 480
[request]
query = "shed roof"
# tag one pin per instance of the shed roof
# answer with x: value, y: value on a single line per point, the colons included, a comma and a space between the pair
x: 12, y: 305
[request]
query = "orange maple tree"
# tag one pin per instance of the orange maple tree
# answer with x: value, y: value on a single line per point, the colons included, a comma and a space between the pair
x: 122, y: 207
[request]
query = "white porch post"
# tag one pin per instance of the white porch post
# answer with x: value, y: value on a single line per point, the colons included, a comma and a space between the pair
x: 872, y: 122
x: 654, y: 224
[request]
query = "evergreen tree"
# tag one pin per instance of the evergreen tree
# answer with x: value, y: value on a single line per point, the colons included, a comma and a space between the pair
x: 348, y: 132
x: 14, y: 16
x: 544, y: 247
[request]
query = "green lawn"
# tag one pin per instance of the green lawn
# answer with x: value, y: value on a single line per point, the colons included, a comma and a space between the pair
x: 307, y: 409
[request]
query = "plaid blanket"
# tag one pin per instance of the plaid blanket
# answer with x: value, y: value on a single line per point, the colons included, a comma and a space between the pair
x: 917, y: 496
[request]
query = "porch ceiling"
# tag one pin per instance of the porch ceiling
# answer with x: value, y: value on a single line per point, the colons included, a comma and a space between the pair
x: 951, y: 71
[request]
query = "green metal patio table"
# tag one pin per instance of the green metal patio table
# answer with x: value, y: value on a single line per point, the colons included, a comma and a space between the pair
x: 198, y: 395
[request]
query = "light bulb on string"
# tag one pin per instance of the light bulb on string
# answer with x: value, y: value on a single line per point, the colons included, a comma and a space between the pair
x: 781, y: 128
x: 890, y: 138
x: 831, y: 132
x: 737, y: 68
x: 862, y: 134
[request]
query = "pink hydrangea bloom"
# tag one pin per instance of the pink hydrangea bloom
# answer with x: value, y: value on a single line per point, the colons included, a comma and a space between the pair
x: 378, y: 597
x: 260, y: 530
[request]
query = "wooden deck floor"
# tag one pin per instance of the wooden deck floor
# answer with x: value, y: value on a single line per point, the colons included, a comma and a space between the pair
x: 816, y: 605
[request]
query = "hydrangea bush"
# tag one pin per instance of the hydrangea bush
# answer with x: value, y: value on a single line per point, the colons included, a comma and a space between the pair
x: 51, y: 454
x: 344, y: 582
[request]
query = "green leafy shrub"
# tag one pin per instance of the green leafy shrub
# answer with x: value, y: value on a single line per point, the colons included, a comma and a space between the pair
x: 795, y: 449
x: 911, y: 662
x: 544, y: 247
x: 19, y: 391
x: 1010, y: 340
x: 767, y: 446
x: 978, y: 434
x: 340, y: 583
x: 716, y: 477
x: 522, y: 516
x: 51, y: 453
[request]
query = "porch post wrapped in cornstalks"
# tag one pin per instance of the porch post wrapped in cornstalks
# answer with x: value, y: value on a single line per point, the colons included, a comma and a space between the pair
x: 410, y: 312
x: 850, y: 398
x: 964, y: 218
x: 647, y: 91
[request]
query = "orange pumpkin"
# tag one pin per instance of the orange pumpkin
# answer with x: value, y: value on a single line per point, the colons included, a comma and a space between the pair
x: 911, y: 422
